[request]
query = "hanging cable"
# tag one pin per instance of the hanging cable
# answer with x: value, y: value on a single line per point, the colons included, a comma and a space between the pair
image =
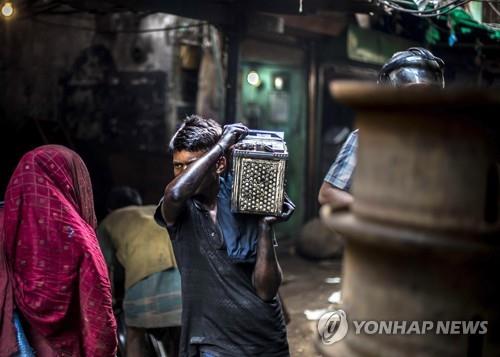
x: 495, y: 10
x: 409, y: 7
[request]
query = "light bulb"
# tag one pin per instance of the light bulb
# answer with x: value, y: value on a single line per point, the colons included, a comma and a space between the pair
x: 7, y: 9
x: 253, y: 78
x: 278, y: 83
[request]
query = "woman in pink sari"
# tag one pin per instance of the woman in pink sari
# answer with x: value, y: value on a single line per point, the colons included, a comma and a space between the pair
x: 56, y: 271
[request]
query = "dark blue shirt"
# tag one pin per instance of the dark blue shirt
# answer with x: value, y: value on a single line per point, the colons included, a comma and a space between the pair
x: 239, y: 231
x: 221, y: 311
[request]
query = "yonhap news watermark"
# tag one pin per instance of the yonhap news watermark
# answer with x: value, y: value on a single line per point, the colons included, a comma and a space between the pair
x: 334, y: 325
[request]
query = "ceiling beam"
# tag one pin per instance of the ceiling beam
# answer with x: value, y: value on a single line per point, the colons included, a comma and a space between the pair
x: 227, y: 12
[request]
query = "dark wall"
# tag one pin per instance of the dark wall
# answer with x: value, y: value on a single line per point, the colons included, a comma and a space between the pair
x: 98, y: 85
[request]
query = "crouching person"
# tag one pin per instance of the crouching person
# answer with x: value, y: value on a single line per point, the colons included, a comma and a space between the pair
x: 144, y: 272
x: 230, y: 273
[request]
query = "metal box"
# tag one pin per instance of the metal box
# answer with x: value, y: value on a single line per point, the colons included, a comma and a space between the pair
x: 259, y: 164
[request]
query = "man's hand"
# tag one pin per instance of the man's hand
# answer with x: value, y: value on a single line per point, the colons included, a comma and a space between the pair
x: 185, y: 185
x: 288, y: 209
x: 232, y: 134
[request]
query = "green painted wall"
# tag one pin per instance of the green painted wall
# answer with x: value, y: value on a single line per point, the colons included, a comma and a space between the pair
x: 264, y: 107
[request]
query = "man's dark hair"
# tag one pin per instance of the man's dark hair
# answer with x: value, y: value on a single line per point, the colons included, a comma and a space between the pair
x: 196, y: 134
x: 123, y: 196
x: 414, y: 65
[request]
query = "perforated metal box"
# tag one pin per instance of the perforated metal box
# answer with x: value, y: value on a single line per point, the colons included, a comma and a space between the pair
x: 259, y: 165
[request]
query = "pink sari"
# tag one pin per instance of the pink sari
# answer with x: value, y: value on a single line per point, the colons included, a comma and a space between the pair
x: 57, y: 271
x: 8, y: 343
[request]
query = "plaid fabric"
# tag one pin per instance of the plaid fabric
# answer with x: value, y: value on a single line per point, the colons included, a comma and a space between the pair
x: 155, y: 301
x: 340, y: 173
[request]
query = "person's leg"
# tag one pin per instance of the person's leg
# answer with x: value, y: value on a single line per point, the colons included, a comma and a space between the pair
x: 136, y: 344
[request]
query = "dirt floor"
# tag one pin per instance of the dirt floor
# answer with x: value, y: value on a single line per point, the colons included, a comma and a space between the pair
x: 305, y: 288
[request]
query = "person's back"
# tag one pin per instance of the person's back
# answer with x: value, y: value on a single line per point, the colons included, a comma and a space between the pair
x: 140, y: 244
x: 58, y: 275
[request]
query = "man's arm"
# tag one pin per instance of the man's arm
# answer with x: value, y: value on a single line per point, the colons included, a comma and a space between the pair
x: 185, y: 185
x: 267, y: 275
x: 336, y: 197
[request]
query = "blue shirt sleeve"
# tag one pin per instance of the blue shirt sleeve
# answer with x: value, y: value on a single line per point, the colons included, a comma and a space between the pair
x: 240, y: 231
x: 340, y: 173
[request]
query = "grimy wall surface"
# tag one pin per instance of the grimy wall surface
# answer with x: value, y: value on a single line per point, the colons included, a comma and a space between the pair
x: 100, y: 84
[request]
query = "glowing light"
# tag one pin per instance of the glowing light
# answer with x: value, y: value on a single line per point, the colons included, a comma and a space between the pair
x: 7, y: 9
x: 253, y: 78
x: 278, y: 83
